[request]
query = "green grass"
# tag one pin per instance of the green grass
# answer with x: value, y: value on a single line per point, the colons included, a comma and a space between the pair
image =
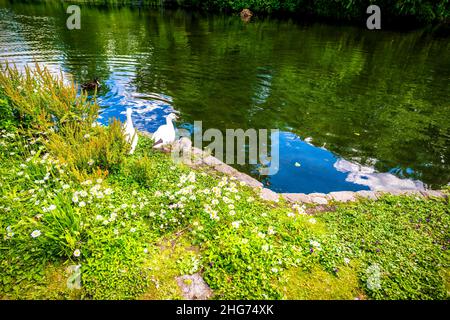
x: 406, y: 237
x: 135, y: 223
x: 318, y: 284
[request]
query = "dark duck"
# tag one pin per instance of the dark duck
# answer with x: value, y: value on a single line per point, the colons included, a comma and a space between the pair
x: 94, y: 84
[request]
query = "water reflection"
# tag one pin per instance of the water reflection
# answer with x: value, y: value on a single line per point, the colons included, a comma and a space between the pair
x: 379, y: 181
x: 358, y: 95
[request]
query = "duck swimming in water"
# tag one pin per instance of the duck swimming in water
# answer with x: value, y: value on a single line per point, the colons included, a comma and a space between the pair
x: 91, y: 85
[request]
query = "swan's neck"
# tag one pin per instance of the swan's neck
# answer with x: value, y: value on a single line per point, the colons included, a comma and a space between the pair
x: 129, y: 118
x: 169, y: 122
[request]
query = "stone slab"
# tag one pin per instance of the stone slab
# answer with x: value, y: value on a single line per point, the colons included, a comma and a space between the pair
x: 269, y: 195
x: 319, y: 198
x: 297, y: 197
x: 193, y: 287
x: 367, y: 194
x: 342, y: 196
x: 434, y: 194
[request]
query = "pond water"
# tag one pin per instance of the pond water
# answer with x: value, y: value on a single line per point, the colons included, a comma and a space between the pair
x: 356, y: 109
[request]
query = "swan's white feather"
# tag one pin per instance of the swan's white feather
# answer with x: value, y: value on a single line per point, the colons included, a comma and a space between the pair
x: 165, y: 133
x: 130, y: 133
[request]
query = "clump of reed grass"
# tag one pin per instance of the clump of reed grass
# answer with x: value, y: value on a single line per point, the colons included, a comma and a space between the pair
x: 43, y: 103
x: 41, y: 100
x: 87, y: 150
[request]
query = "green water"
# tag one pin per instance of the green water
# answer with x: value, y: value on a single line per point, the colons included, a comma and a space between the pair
x: 379, y: 99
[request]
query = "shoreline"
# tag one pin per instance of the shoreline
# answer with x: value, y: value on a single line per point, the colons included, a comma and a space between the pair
x: 202, y: 159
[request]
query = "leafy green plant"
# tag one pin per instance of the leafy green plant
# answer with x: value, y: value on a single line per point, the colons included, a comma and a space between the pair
x: 403, y: 243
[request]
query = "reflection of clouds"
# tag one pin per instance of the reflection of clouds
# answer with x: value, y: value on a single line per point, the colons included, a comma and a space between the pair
x: 149, y: 109
x: 375, y: 180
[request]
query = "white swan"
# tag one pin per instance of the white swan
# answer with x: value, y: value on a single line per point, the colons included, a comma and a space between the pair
x: 165, y: 133
x: 130, y: 133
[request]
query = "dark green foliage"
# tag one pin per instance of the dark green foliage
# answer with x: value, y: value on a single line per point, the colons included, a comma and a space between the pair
x: 424, y: 11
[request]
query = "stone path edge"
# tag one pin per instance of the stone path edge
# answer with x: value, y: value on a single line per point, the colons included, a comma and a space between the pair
x: 312, y: 198
x: 204, y: 159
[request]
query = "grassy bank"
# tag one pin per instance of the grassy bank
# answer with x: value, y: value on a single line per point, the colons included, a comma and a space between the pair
x: 70, y: 195
x: 421, y: 11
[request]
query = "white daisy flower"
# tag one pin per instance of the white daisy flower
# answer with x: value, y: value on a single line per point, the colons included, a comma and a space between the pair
x: 314, y: 243
x: 236, y: 224
x: 36, y: 233
x: 83, y: 194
